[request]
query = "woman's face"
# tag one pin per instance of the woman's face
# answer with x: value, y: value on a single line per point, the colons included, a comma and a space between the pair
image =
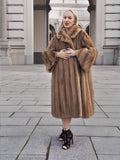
x: 68, y: 19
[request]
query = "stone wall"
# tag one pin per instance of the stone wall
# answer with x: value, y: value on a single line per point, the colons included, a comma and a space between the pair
x: 16, y: 30
x: 112, y: 22
x: 111, y: 31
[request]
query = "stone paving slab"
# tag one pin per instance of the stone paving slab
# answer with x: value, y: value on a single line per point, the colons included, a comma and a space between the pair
x: 102, y: 122
x: 5, y: 114
x: 34, y: 121
x: 80, y: 131
x: 109, y: 157
x: 24, y: 157
x: 9, y: 108
x: 22, y: 131
x: 7, y: 157
x: 11, y: 90
x: 11, y: 145
x: 32, y: 114
x: 4, y: 99
x: 113, y: 114
x: 53, y: 121
x: 99, y: 115
x: 45, y: 114
x: 45, y: 91
x: 106, y: 145
x: 41, y: 98
x: 47, y: 131
x: 10, y: 93
x: 106, y: 96
x: 35, y: 109
x: 107, y: 102
x: 98, y: 109
x: 35, y: 94
x: 22, y: 98
x: 14, y: 121
x: 37, y: 145
x: 28, y: 102
x: 32, y: 157
x: 43, y: 108
x: 96, y: 131
x: 80, y: 149
x: 112, y: 108
x: 44, y: 102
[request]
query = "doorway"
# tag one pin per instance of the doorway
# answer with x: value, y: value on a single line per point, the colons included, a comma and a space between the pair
x: 41, y: 9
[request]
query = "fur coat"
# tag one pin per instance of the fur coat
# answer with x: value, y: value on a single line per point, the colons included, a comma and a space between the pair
x: 72, y: 93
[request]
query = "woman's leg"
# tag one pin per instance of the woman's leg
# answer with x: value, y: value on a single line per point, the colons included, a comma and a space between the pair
x: 66, y: 123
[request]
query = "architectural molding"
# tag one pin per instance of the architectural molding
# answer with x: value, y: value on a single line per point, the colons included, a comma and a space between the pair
x: 42, y: 7
x: 4, y: 59
x: 29, y: 35
x: 100, y: 30
x: 92, y: 5
x: 91, y: 8
x: 69, y: 5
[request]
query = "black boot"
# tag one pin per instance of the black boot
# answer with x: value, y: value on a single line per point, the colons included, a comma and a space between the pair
x: 67, y: 139
x: 62, y: 135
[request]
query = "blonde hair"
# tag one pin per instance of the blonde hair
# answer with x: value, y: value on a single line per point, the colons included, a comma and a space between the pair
x: 75, y: 18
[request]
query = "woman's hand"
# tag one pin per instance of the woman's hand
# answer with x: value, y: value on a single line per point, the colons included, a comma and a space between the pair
x: 63, y: 54
x: 66, y: 53
x: 70, y: 52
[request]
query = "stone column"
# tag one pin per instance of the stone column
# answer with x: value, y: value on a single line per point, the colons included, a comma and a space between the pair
x: 96, y: 9
x: 4, y: 59
x: 28, y: 4
x: 100, y: 29
x: 92, y: 28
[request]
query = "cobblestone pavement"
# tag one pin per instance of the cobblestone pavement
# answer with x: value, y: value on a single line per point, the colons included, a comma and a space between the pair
x: 29, y: 132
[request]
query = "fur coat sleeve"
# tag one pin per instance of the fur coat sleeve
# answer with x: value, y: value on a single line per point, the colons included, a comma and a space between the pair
x: 86, y: 58
x: 49, y: 55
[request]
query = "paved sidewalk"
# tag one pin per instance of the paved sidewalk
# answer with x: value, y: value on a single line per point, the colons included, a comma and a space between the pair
x: 29, y: 132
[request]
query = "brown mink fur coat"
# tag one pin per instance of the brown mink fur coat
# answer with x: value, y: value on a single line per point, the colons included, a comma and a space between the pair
x: 72, y: 93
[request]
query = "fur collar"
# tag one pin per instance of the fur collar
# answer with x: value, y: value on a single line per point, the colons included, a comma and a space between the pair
x: 67, y: 37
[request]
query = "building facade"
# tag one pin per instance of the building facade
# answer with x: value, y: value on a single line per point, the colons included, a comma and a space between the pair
x: 24, y: 28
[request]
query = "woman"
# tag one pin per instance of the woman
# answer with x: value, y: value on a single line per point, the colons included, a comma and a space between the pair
x: 69, y: 56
